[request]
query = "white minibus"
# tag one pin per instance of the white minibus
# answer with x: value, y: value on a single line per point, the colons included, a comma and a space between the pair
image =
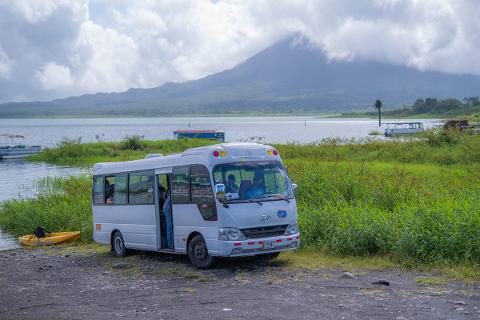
x: 223, y: 200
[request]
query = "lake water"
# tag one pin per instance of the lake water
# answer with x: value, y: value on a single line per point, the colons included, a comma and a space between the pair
x: 18, y: 177
x: 48, y: 132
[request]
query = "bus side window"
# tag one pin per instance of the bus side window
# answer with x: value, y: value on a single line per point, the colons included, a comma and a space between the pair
x: 140, y: 188
x: 181, y: 185
x: 109, y: 189
x: 120, y: 191
x: 202, y: 194
x: 98, y: 191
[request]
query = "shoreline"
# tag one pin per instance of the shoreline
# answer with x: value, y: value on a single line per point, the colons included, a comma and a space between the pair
x: 246, y: 115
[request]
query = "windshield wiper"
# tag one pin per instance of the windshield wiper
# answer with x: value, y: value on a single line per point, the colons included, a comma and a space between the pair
x: 257, y: 202
x: 284, y: 198
x: 279, y: 197
x: 241, y: 201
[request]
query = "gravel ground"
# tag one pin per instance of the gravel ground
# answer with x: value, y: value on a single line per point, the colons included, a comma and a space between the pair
x: 62, y: 284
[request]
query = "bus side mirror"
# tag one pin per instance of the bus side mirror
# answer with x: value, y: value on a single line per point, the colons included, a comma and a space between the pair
x: 294, y: 186
x: 220, y: 191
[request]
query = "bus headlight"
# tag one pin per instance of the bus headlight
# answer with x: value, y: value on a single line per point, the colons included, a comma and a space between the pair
x: 230, y: 234
x: 291, y: 229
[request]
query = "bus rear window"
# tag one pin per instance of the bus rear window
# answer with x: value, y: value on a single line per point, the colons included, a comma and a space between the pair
x: 98, y: 191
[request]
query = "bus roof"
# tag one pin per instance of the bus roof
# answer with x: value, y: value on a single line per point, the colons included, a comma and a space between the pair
x: 232, y: 152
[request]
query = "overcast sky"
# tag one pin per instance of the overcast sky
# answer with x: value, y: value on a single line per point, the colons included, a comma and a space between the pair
x: 57, y: 48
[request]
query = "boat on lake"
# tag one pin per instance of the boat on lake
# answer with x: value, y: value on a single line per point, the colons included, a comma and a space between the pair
x: 199, y: 134
x: 17, y: 151
x: 400, y: 128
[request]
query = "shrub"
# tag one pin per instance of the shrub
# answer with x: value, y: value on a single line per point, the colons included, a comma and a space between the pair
x: 441, y: 137
x: 132, y: 143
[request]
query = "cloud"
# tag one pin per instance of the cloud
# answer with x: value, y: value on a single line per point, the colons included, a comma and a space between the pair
x: 5, y: 65
x: 54, y: 76
x: 57, y: 48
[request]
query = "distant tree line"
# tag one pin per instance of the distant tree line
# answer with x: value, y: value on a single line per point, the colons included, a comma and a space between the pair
x: 434, y: 106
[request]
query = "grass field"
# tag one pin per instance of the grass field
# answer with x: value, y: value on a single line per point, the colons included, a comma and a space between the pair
x: 409, y: 202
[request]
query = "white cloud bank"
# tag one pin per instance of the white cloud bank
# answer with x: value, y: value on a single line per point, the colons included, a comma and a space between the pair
x: 57, y: 48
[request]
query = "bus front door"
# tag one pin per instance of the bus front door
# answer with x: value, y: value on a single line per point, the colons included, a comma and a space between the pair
x: 164, y: 211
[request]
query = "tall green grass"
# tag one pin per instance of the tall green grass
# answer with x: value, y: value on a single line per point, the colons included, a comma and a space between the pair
x: 419, y: 213
x: 432, y: 148
x: 415, y: 201
x: 74, y: 153
x: 435, y: 148
x: 63, y: 204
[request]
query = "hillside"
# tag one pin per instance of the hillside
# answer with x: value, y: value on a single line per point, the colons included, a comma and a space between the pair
x: 283, y: 78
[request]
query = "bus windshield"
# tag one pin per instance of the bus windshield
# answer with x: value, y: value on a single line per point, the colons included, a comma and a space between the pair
x: 246, y: 181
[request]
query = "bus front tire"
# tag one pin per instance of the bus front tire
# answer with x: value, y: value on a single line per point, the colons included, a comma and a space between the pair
x: 198, y: 253
x: 118, y: 245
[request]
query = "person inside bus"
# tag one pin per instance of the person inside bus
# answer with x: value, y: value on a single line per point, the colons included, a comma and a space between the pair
x: 167, y: 211
x: 257, y: 189
x: 165, y: 203
x: 109, y: 191
x: 232, y: 186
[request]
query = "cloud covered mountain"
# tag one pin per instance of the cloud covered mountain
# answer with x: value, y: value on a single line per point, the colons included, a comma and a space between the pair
x: 290, y: 76
x: 53, y: 49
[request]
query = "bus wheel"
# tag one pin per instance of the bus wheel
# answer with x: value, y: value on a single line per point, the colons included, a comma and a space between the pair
x: 118, y: 245
x: 198, y: 253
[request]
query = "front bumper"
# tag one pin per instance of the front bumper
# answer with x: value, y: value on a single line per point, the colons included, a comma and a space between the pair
x: 252, y: 247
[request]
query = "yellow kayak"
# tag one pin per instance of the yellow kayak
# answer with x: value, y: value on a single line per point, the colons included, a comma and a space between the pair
x: 49, y: 239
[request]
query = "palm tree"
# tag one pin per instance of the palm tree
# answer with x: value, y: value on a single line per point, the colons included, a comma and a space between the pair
x: 378, y: 106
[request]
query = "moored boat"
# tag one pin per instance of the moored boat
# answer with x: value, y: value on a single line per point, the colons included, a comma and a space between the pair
x: 199, y: 134
x: 17, y: 151
x: 400, y: 128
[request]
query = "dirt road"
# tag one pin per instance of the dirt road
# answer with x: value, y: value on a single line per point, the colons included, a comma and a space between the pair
x: 60, y: 284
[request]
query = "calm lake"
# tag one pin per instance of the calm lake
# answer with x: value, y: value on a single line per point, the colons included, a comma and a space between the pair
x: 48, y: 132
x: 18, y: 177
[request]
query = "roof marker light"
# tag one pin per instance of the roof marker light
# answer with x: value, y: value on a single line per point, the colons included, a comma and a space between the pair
x: 272, y: 152
x: 220, y: 153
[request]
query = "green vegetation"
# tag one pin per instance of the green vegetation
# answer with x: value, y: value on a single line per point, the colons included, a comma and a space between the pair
x: 432, y: 108
x: 74, y: 153
x: 408, y: 202
x: 63, y: 204
x: 446, y: 108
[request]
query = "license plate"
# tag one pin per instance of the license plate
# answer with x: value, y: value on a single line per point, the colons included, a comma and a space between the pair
x: 268, y: 245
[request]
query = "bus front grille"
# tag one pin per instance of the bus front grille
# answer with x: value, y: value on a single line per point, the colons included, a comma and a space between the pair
x: 264, y: 232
